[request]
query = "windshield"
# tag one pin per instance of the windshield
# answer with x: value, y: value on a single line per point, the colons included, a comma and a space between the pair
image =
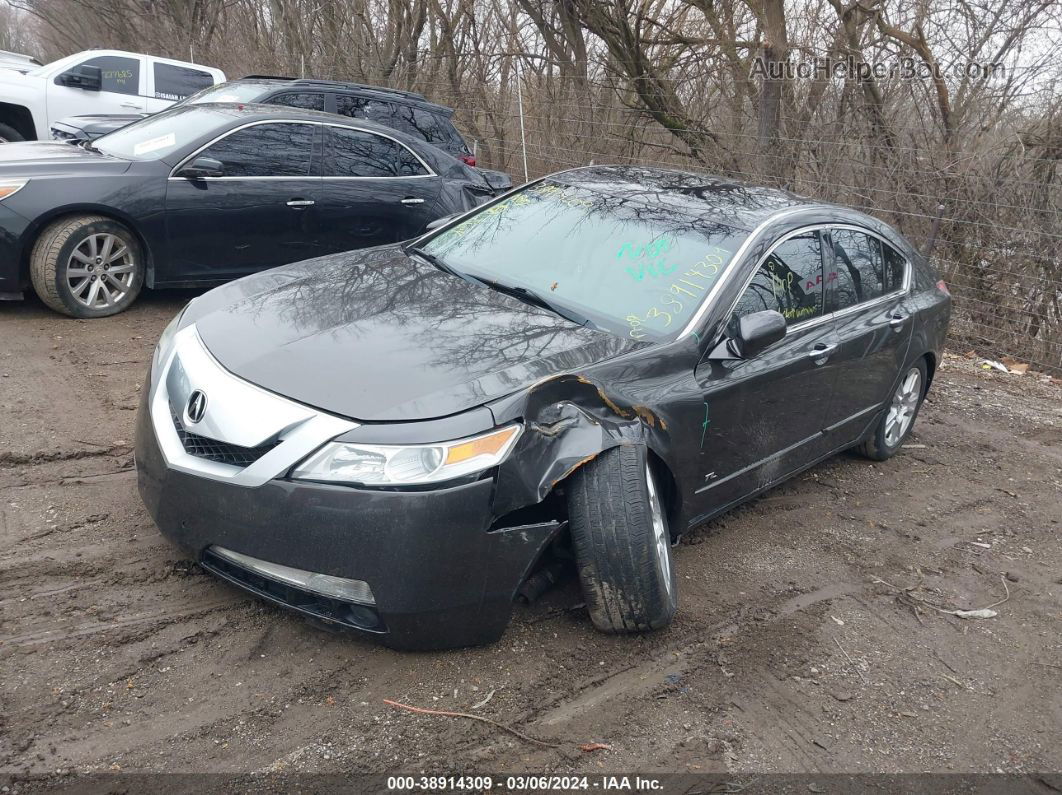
x: 163, y: 133
x: 630, y: 261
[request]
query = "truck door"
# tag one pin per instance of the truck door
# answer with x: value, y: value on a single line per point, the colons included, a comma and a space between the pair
x: 121, y: 89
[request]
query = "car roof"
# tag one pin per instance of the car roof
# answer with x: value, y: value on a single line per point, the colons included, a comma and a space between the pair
x: 382, y: 93
x: 739, y: 205
x: 250, y: 111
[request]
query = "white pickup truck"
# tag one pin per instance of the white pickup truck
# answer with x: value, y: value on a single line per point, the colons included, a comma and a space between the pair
x: 95, y: 81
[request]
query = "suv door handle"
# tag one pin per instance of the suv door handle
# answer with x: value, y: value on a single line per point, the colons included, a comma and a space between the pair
x: 301, y: 203
x: 412, y: 200
x: 897, y: 320
x: 821, y: 352
x: 132, y: 106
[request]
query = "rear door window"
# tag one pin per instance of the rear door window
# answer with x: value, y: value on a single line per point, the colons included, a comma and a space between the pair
x: 357, y: 153
x: 857, y: 273
x: 362, y: 108
x: 789, y: 281
x: 266, y: 150
x: 895, y: 268
x: 177, y: 82
x: 306, y: 100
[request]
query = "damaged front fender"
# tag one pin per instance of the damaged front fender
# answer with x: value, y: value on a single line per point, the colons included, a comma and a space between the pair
x: 568, y: 422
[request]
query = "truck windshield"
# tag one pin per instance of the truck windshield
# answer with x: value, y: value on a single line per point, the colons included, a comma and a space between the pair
x: 636, y: 263
x: 163, y: 133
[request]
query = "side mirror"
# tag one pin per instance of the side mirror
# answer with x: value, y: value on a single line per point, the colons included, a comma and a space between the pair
x: 202, y: 167
x: 440, y: 222
x: 756, y: 332
x: 89, y: 78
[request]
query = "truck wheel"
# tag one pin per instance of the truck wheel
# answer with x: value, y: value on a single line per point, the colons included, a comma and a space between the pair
x: 9, y: 134
x: 622, y: 542
x: 87, y: 266
x: 896, y: 423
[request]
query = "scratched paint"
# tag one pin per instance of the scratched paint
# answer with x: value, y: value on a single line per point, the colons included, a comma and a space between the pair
x: 705, y: 424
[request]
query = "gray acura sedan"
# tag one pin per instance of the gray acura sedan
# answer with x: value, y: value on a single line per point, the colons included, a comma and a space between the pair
x: 395, y: 440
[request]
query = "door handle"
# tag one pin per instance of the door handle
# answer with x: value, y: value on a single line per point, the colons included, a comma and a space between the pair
x: 132, y: 106
x: 301, y: 203
x: 897, y: 320
x: 821, y: 352
x: 412, y: 200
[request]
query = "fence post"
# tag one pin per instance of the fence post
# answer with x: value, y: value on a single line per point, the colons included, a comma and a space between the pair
x: 520, y: 107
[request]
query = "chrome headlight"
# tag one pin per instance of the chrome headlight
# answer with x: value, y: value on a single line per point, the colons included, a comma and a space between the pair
x: 162, y: 350
x: 387, y: 465
x: 9, y: 187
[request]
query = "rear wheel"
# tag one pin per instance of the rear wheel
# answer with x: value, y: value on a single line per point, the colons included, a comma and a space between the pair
x: 896, y: 424
x: 87, y: 266
x: 622, y: 542
x: 9, y: 134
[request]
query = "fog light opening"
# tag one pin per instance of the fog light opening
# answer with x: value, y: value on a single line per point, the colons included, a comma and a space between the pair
x: 356, y: 592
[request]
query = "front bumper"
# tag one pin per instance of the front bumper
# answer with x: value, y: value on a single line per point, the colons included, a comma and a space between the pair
x: 441, y: 578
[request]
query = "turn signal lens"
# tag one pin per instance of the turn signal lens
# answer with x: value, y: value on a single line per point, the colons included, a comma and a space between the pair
x: 11, y: 186
x: 943, y: 287
x: 485, y: 445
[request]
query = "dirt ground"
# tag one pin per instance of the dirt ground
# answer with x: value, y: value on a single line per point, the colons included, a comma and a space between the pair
x: 796, y: 647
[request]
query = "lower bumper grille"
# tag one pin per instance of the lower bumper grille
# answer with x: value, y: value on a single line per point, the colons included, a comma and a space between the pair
x: 213, y: 450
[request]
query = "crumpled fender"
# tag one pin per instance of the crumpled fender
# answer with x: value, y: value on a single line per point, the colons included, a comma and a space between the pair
x: 568, y: 421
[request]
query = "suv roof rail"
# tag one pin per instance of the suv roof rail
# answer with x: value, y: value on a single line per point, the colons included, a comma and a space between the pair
x: 360, y: 86
x: 268, y: 77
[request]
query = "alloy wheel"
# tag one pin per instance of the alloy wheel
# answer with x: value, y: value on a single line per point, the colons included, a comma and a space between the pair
x: 903, y: 407
x: 661, y: 537
x: 100, y: 271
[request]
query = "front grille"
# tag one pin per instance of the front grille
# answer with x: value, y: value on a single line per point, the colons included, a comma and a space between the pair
x: 213, y: 450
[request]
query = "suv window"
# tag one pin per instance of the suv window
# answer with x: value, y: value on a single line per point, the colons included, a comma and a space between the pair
x: 361, y: 108
x: 789, y: 281
x: 120, y: 75
x: 304, y: 100
x: 895, y: 267
x: 177, y: 82
x: 356, y: 153
x: 424, y: 124
x: 265, y: 150
x: 858, y: 272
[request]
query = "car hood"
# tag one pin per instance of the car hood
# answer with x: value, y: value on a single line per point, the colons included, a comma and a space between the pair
x: 378, y: 336
x: 98, y: 124
x: 34, y: 158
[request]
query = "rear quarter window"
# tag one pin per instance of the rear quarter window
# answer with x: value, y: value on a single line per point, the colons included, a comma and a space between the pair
x: 177, y: 82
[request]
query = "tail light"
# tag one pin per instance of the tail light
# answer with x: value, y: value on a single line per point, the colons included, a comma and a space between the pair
x: 943, y: 287
x: 469, y: 160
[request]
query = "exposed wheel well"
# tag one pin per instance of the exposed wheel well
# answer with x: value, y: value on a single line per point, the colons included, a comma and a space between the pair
x: 931, y: 369
x: 20, y: 118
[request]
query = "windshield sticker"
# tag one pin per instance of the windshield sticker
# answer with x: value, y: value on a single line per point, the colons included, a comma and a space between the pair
x: 154, y: 144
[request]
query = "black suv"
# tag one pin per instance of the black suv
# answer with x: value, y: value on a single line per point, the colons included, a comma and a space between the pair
x: 404, y: 111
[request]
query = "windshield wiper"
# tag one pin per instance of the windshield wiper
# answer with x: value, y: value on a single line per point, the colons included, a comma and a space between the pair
x: 439, y: 263
x: 529, y: 296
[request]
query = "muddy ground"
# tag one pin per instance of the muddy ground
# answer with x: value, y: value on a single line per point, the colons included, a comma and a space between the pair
x: 795, y: 648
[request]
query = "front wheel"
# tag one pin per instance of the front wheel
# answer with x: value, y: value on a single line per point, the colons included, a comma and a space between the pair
x: 622, y: 542
x: 87, y: 266
x: 897, y: 422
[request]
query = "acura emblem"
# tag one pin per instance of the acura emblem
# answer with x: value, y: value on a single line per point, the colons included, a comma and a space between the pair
x: 196, y: 406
